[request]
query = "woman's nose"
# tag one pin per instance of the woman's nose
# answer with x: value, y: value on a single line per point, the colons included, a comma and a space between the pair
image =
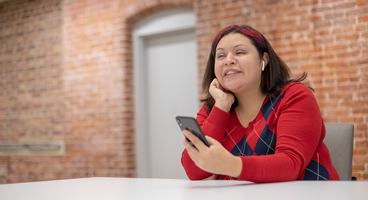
x: 230, y: 60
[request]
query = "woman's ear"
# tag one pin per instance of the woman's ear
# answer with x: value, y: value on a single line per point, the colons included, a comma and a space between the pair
x: 265, y: 58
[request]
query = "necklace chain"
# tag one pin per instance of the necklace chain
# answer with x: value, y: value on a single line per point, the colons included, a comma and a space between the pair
x: 239, y: 116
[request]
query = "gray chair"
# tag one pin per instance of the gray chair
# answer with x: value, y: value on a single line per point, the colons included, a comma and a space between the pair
x: 339, y: 141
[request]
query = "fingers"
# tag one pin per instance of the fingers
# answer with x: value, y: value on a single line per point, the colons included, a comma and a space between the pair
x: 215, y: 83
x: 192, y: 151
x: 195, y: 140
x: 188, y: 146
x: 211, y: 140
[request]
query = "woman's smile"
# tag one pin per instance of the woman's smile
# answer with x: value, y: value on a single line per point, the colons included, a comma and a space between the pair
x: 231, y: 73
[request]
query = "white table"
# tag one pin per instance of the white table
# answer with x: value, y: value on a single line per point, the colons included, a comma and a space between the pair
x: 136, y: 188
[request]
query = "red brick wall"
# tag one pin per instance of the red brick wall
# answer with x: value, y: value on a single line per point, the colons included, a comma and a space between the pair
x: 31, y: 108
x: 87, y: 92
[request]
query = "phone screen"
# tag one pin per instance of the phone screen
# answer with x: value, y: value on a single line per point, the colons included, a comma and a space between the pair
x: 190, y: 123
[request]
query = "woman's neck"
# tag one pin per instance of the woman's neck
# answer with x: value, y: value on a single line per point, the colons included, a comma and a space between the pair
x: 249, y: 104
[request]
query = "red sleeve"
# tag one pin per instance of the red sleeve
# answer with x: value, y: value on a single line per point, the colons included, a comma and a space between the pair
x: 299, y: 127
x: 213, y: 125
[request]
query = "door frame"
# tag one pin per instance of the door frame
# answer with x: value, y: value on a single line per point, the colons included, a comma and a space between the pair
x: 165, y: 22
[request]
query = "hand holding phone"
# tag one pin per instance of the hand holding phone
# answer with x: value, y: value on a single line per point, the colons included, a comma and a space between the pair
x: 190, y: 124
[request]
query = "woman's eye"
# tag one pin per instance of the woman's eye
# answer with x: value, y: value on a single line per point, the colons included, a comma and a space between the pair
x: 220, y: 55
x: 240, y: 52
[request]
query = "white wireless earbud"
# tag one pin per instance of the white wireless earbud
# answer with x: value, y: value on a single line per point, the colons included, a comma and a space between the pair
x: 263, y: 66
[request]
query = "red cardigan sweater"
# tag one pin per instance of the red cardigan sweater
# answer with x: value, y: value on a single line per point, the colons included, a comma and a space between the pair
x: 284, y: 142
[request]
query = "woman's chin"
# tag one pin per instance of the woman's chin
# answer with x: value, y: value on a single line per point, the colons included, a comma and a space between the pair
x: 232, y: 88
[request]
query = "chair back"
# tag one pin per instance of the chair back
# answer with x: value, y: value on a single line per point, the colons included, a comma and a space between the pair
x: 339, y: 141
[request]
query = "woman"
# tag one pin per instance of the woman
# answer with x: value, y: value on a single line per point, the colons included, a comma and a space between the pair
x: 262, y: 126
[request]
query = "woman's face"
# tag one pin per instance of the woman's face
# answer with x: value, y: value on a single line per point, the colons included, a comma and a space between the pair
x: 238, y: 66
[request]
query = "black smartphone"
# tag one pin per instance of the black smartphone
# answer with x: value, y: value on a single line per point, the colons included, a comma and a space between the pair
x: 190, y: 124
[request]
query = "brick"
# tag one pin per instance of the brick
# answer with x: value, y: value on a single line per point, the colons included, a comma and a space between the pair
x: 347, y: 87
x: 358, y: 135
x: 363, y: 86
x: 320, y: 96
x: 279, y: 45
x: 297, y: 12
x: 312, y: 66
x: 324, y: 88
x: 347, y: 37
x: 360, y: 144
x: 360, y: 111
x: 358, y: 44
x: 362, y: 3
x: 322, y: 73
x: 282, y: 7
x: 286, y: 53
x: 317, y: 82
x: 362, y: 94
x: 347, y: 70
x: 299, y: 28
x: 344, y: 5
x: 322, y: 24
x: 361, y: 127
x: 338, y: 22
x: 358, y: 61
x: 363, y: 18
x: 333, y: 15
x: 323, y: 41
x: 321, y: 9
x: 358, y: 167
x: 323, y: 57
x: 354, y: 79
x: 360, y: 151
x: 308, y: 3
x: 346, y: 29
x: 286, y: 22
x: 329, y: 80
x: 337, y: 47
x: 330, y: 1
x: 270, y: 2
x: 337, y: 112
x: 311, y: 50
x: 336, y: 31
x: 331, y: 120
x: 354, y: 103
x: 365, y: 52
x: 352, y: 54
x: 337, y: 64
x: 299, y: 43
x: 358, y: 11
x: 347, y: 95
x: 324, y: 32
x: 352, y: 119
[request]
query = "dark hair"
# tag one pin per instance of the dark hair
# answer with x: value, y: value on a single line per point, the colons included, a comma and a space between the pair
x: 273, y: 78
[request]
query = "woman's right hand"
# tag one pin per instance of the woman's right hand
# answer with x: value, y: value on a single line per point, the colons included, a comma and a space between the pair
x: 223, y: 98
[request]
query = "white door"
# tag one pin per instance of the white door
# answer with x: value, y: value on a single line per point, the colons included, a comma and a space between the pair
x: 171, y: 78
x: 166, y: 85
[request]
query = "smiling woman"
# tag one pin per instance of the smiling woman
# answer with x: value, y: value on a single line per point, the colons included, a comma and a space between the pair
x: 262, y: 126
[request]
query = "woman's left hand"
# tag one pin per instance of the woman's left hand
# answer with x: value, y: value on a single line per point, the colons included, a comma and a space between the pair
x: 214, y: 159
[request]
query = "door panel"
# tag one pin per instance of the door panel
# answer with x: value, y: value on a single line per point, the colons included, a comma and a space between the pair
x: 171, y: 86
